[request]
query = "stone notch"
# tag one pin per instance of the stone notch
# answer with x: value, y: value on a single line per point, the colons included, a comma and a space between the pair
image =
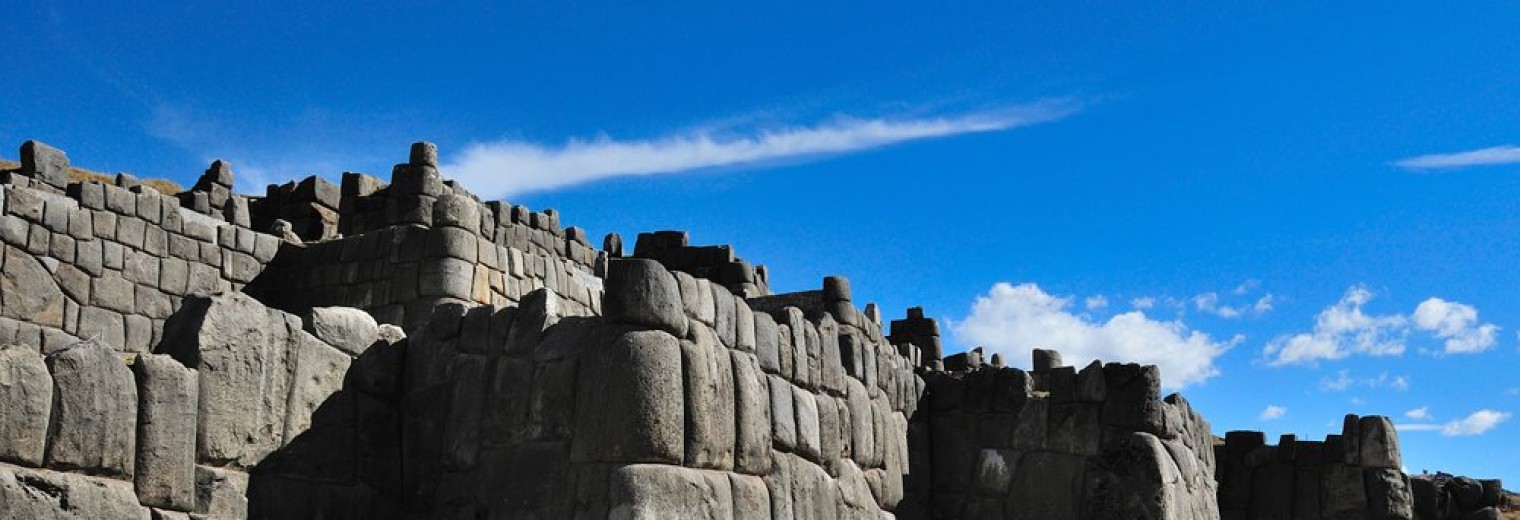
x: 716, y: 263
x: 920, y: 332
x: 45, y: 163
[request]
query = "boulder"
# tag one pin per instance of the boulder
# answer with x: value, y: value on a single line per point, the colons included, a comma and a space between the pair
x: 1379, y: 443
x: 94, y: 425
x: 351, y: 330
x: 26, y: 395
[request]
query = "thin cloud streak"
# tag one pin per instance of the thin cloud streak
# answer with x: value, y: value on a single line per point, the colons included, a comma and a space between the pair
x: 511, y: 167
x: 1506, y: 154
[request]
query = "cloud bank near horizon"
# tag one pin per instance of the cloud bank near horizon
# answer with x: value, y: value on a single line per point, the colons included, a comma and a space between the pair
x: 511, y: 167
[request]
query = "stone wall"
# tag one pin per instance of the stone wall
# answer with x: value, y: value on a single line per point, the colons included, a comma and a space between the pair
x: 1446, y: 497
x: 1096, y: 444
x: 1354, y: 475
x: 109, y: 262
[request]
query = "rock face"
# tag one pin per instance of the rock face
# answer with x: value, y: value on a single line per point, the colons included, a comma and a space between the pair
x: 1314, y: 479
x: 167, y: 406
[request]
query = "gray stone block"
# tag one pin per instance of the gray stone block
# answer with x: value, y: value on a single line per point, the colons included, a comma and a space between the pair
x: 642, y: 292
x: 1047, y: 485
x: 28, y: 292
x: 350, y: 330
x: 862, y: 423
x: 240, y: 351
x: 44, y: 163
x: 752, y: 500
x: 220, y: 493
x: 453, y: 242
x: 806, y: 407
x: 1343, y: 494
x: 767, y: 343
x: 630, y: 406
x: 752, y: 410
x: 446, y: 277
x: 1388, y: 494
x: 42, y: 494
x: 724, y: 316
x: 710, y: 417
x: 26, y: 395
x: 114, y: 293
x: 167, y: 402
x: 658, y: 492
x: 783, y: 418
x: 94, y: 424
x: 1379, y: 443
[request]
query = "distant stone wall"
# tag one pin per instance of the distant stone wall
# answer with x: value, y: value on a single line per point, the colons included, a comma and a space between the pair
x: 109, y: 263
x: 1000, y: 443
x: 1354, y: 475
x: 1446, y: 497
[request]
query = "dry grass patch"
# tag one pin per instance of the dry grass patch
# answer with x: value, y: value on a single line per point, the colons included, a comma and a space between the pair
x: 164, y: 186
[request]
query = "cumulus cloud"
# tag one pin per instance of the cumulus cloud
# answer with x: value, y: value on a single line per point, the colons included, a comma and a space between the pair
x: 508, y: 167
x: 1272, y: 412
x: 1456, y: 323
x: 1015, y: 319
x: 1476, y: 423
x: 1419, y: 414
x: 1344, y: 329
x: 1506, y: 154
x: 1094, y: 303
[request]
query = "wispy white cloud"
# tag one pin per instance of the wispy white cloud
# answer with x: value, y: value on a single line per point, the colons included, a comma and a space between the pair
x: 1506, y: 154
x: 1344, y: 329
x: 1143, y: 302
x: 1272, y: 412
x: 1419, y: 414
x: 1015, y: 319
x: 1343, y: 381
x: 1476, y: 423
x: 507, y: 167
x: 1094, y: 303
x: 1209, y: 303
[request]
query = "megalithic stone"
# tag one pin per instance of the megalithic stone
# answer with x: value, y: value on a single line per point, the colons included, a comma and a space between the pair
x: 423, y: 154
x: 642, y: 292
x: 1045, y: 360
x: 44, y: 163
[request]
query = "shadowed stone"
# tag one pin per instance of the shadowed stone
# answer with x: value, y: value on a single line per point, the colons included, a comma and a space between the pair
x: 26, y: 395
x: 167, y: 400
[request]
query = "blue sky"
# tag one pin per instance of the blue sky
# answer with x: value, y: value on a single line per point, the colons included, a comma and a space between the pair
x: 1298, y: 211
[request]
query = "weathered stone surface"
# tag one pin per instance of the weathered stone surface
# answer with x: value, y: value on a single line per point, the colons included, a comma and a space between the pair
x: 752, y: 501
x: 630, y: 406
x: 240, y: 352
x: 350, y: 330
x: 28, y: 292
x: 806, y: 408
x: 167, y: 400
x: 709, y: 383
x: 1045, y: 360
x: 658, y: 492
x: 724, y: 315
x: 1343, y: 493
x: 220, y: 493
x: 26, y: 395
x: 1379, y: 443
x: 1047, y: 485
x: 1388, y: 494
x: 94, y: 425
x: 317, y: 373
x: 36, y: 494
x: 1134, y: 398
x: 45, y: 163
x: 752, y: 410
x: 783, y: 416
x: 642, y: 292
x: 862, y: 432
x: 994, y: 471
x: 767, y: 343
x: 744, y: 326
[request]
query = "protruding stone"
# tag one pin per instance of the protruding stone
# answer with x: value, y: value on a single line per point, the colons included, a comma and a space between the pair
x: 652, y: 491
x: 1379, y: 443
x: 350, y: 330
x: 836, y: 288
x: 1045, y: 360
x: 630, y: 405
x: 613, y: 245
x: 44, y: 163
x: 642, y: 292
x: 26, y: 395
x: 709, y: 382
x: 424, y: 154
x: 457, y: 211
x: 219, y: 172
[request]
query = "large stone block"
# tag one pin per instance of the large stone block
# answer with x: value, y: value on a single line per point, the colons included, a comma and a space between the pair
x: 752, y: 410
x: 783, y: 416
x: 724, y: 315
x: 317, y: 373
x: 45, y: 163
x: 805, y: 405
x: 220, y: 493
x: 241, y: 353
x: 28, y: 292
x: 767, y: 343
x: 1379, y: 443
x: 1388, y: 494
x: 26, y: 395
x: 658, y: 492
x: 642, y: 292
x: 36, y: 494
x: 752, y: 500
x: 1047, y: 485
x: 862, y: 431
x: 1343, y: 494
x: 709, y: 383
x: 94, y: 425
x: 167, y: 399
x: 351, y: 330
x: 1134, y: 398
x: 630, y: 406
